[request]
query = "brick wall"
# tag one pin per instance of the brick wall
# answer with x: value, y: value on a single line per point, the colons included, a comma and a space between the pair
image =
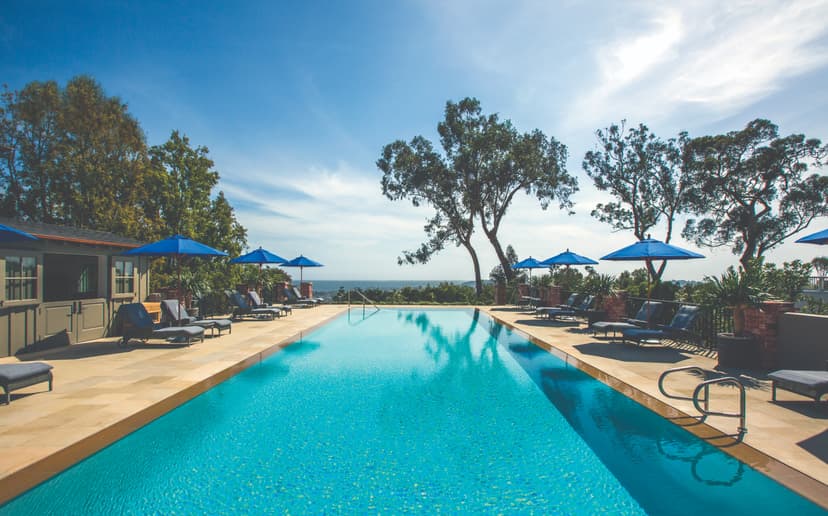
x: 616, y: 306
x: 306, y: 289
x: 500, y: 294
x: 551, y: 295
x: 763, y: 323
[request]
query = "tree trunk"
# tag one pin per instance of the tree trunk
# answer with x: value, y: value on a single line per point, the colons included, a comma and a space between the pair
x: 501, y: 256
x: 478, y: 281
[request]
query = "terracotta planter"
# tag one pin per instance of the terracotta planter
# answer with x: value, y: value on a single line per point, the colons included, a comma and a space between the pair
x: 738, y: 351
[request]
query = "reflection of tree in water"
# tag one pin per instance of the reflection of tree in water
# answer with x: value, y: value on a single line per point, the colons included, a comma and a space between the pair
x: 641, y: 448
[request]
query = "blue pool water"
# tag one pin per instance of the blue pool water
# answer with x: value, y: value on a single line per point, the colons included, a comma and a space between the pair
x: 411, y: 411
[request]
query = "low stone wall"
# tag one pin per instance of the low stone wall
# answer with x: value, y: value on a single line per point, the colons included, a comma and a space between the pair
x: 802, y: 342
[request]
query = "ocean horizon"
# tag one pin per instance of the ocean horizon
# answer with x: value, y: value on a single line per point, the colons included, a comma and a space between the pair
x: 332, y: 286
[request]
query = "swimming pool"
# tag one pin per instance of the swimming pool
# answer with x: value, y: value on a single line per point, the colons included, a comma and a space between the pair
x: 411, y: 410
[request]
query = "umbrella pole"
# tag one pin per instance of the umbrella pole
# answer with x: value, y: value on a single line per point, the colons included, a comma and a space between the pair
x: 178, y: 290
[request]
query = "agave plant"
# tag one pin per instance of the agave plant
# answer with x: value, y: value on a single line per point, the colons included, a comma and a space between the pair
x: 738, y: 290
x: 600, y: 286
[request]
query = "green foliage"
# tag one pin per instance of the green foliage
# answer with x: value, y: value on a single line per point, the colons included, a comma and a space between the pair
x: 485, y: 163
x: 788, y: 282
x: 499, y: 276
x: 750, y: 190
x: 820, y: 265
x: 634, y: 282
x: 814, y: 306
x: 569, y: 279
x: 742, y: 287
x: 443, y: 293
x: 76, y: 156
x: 599, y: 285
x: 645, y: 176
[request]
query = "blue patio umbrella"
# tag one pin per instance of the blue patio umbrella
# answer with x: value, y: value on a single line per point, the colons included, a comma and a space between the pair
x: 568, y: 258
x: 259, y: 256
x: 818, y: 238
x: 177, y: 246
x: 301, y: 262
x: 529, y: 263
x: 9, y: 234
x: 648, y: 250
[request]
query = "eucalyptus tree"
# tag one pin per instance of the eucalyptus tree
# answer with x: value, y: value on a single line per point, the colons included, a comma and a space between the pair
x: 750, y: 190
x: 496, y: 163
x: 414, y: 171
x: 646, y: 177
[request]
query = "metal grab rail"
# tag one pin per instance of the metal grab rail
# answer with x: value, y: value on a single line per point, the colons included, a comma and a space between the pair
x: 364, y: 300
x: 727, y: 380
x: 689, y: 369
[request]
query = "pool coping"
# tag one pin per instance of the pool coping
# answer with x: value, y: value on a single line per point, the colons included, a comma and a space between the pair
x: 790, y: 477
x: 31, y: 475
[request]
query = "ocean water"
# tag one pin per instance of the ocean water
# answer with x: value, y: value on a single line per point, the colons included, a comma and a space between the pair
x: 332, y: 286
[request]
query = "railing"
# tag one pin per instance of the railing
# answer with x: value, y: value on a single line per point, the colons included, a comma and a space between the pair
x: 817, y: 283
x: 704, y: 388
x: 365, y: 300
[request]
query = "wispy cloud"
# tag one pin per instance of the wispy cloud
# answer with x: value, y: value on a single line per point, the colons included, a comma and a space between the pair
x: 713, y: 56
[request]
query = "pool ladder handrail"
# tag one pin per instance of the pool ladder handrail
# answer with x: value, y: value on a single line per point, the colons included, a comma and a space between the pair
x: 705, y: 386
x: 364, y: 300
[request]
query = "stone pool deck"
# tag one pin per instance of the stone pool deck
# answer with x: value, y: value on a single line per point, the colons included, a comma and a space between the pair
x: 102, y: 392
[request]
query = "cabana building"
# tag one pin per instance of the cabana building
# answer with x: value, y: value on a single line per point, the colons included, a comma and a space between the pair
x: 66, y: 286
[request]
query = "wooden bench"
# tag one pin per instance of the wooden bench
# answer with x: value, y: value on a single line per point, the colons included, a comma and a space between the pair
x: 154, y: 310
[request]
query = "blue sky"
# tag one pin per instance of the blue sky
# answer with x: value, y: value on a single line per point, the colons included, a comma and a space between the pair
x: 296, y: 99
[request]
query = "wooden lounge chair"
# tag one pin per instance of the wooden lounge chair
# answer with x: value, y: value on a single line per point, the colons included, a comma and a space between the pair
x: 813, y: 384
x: 678, y: 327
x: 17, y: 376
x: 647, y: 314
x: 136, y: 323
x: 175, y: 314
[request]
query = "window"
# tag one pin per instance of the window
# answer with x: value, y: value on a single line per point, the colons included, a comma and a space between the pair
x: 21, y: 278
x: 124, y: 277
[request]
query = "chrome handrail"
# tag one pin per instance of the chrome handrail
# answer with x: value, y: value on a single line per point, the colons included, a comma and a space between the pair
x: 727, y: 380
x: 365, y: 300
x: 689, y: 369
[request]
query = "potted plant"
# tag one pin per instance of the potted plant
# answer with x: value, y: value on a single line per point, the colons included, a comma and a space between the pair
x: 738, y: 290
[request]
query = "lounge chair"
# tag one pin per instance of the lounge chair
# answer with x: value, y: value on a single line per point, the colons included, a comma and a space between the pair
x: 647, y: 314
x: 807, y: 383
x: 17, y: 376
x: 579, y: 310
x: 241, y: 308
x: 678, y: 327
x: 175, y: 314
x: 256, y: 302
x: 569, y: 303
x: 294, y: 297
x: 136, y: 323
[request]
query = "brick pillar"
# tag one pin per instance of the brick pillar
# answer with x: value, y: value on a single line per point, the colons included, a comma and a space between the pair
x: 279, y: 291
x: 616, y: 306
x: 552, y: 295
x: 306, y: 289
x: 523, y: 290
x: 500, y: 294
x: 763, y: 323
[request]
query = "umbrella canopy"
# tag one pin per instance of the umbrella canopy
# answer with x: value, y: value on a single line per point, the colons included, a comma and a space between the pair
x: 648, y: 250
x: 9, y: 234
x: 819, y: 238
x: 176, y: 246
x: 301, y: 262
x: 259, y: 256
x: 569, y: 258
x: 529, y: 263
